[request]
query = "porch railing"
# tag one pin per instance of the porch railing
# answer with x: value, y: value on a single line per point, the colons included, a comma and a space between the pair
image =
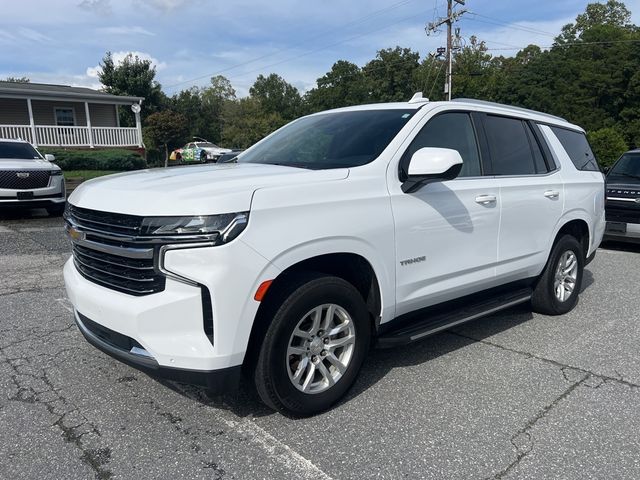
x: 57, y: 136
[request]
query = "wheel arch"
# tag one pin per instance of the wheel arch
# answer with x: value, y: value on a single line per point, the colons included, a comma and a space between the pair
x: 577, y: 226
x: 350, y: 266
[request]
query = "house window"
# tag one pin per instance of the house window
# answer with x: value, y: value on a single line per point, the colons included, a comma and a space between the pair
x: 65, y: 117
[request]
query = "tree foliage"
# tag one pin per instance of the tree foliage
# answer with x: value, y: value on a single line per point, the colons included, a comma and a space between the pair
x: 135, y: 77
x: 17, y: 80
x: 607, y: 144
x: 164, y: 130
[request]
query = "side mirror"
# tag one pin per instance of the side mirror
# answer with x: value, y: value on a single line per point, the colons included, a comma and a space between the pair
x: 49, y: 157
x: 606, y: 169
x: 432, y: 164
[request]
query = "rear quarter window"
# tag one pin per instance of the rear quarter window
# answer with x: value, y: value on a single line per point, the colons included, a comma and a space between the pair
x: 577, y: 147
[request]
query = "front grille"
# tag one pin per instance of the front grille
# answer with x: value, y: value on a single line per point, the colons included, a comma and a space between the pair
x: 107, y: 222
x: 621, y: 214
x: 24, y: 179
x: 127, y: 275
x: 98, y: 257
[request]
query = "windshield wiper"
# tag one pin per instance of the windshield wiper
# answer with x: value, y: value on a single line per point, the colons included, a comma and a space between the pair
x: 294, y: 165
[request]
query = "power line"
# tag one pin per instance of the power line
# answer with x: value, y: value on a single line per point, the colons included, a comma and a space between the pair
x: 309, y: 39
x: 449, y: 20
x: 309, y: 52
x: 512, y: 26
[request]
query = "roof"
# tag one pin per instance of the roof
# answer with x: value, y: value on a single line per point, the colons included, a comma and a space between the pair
x: 471, y: 104
x: 13, y: 140
x: 23, y: 90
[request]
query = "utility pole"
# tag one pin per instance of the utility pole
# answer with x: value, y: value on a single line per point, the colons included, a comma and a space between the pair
x: 450, y: 19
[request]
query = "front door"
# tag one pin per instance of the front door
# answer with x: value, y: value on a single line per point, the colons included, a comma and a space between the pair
x: 446, y: 232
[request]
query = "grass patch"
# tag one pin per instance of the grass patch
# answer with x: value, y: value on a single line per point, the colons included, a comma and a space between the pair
x: 83, y: 175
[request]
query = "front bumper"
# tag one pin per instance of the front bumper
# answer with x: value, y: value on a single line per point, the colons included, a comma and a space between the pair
x: 53, y: 194
x: 217, y: 381
x: 622, y: 232
x: 168, y: 324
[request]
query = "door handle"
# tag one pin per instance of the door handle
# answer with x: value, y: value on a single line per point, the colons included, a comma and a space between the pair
x: 551, y: 194
x: 485, y: 199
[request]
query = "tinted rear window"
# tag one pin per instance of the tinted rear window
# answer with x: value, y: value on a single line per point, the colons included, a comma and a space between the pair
x: 509, y: 145
x: 17, y: 150
x: 578, y: 148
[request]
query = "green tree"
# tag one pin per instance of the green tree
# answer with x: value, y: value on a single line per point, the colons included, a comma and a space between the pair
x: 17, y: 80
x: 607, y: 144
x: 612, y: 14
x: 344, y: 85
x: 135, y: 77
x: 475, y: 72
x: 164, y: 130
x: 390, y: 75
x: 276, y: 96
x: 246, y: 122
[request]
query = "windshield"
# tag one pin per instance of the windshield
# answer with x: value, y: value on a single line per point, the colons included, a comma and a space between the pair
x: 627, y: 167
x: 206, y: 145
x: 18, y: 150
x: 330, y: 140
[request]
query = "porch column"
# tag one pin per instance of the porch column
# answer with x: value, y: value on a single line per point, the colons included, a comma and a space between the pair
x: 86, y: 110
x: 136, y: 111
x: 34, y: 139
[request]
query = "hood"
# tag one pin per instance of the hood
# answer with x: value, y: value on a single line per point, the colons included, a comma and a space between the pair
x: 26, y: 164
x: 191, y: 190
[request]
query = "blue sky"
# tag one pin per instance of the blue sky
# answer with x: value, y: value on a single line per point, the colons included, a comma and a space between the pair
x: 62, y: 41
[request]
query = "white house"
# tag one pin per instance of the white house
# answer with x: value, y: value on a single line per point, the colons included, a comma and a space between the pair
x: 64, y: 116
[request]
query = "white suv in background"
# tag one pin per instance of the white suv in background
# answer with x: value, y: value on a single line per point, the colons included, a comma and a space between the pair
x: 372, y: 224
x: 29, y: 180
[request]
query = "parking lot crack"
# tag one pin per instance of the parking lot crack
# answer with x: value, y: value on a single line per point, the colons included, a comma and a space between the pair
x: 522, y: 440
x: 605, y: 378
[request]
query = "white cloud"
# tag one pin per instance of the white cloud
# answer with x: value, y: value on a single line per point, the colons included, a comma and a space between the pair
x: 167, y: 5
x: 101, y: 7
x: 122, y: 30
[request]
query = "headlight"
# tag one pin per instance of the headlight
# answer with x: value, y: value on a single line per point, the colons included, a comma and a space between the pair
x: 219, y: 228
x: 55, y: 173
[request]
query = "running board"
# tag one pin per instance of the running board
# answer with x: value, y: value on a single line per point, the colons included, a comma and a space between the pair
x: 423, y: 327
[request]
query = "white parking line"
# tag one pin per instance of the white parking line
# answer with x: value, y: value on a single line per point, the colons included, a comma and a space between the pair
x: 5, y: 229
x: 279, y: 451
x: 65, y: 303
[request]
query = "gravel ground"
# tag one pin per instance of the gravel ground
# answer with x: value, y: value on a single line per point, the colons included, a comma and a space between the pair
x: 515, y: 395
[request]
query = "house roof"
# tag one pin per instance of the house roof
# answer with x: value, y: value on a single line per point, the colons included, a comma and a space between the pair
x: 46, y: 90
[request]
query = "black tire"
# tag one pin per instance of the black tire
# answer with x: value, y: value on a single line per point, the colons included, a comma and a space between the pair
x: 55, y: 210
x: 203, y: 157
x: 544, y: 299
x: 300, y: 297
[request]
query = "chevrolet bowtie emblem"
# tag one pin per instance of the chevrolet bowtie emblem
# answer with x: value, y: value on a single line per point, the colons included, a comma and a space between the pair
x: 22, y: 174
x: 76, y: 235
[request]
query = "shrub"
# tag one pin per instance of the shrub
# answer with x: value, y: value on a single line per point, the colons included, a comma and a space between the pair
x: 607, y: 144
x: 113, y: 159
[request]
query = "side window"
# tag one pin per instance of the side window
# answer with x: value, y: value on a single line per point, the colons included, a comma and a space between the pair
x: 538, y: 157
x: 578, y: 148
x: 511, y: 152
x: 452, y: 130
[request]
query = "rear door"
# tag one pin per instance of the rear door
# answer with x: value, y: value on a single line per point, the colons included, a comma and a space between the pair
x: 446, y: 232
x: 531, y: 192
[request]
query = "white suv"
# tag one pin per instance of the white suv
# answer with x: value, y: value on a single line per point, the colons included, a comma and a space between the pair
x: 29, y: 180
x: 373, y: 224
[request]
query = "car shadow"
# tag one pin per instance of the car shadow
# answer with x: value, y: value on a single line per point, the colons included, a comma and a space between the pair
x: 621, y: 246
x: 13, y: 213
x: 379, y: 363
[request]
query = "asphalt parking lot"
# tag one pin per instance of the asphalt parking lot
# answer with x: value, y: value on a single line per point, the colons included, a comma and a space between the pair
x: 515, y: 395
